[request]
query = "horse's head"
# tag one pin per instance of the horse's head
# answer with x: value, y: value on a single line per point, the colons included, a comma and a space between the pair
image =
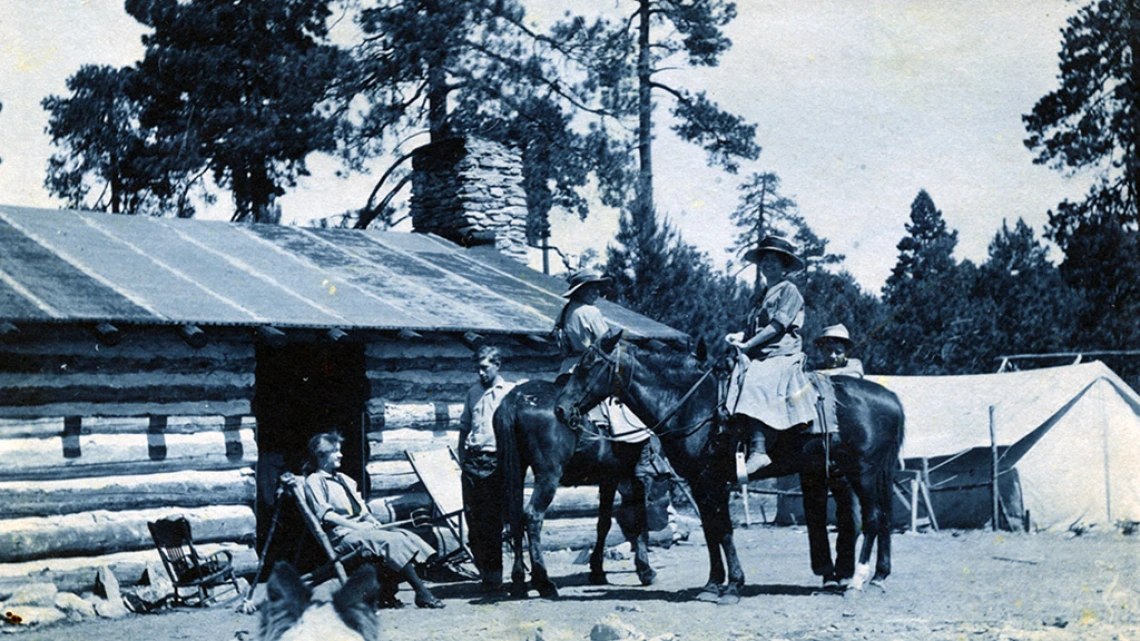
x: 288, y: 614
x: 592, y: 381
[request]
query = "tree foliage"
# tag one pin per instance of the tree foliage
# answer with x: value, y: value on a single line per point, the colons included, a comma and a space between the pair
x: 657, y: 274
x: 625, y: 59
x: 237, y: 87
x: 1092, y: 121
x: 1027, y: 307
x: 102, y: 147
x: 470, y: 67
x: 924, y: 297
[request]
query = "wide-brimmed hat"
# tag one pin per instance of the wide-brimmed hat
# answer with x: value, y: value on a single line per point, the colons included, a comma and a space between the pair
x: 835, y: 333
x: 776, y: 245
x: 584, y: 277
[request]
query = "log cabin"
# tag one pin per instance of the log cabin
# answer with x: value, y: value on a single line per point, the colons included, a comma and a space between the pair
x: 153, y: 366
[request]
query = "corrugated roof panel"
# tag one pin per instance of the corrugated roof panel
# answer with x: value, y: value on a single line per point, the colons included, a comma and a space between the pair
x: 56, y: 282
x: 417, y: 298
x: 89, y: 265
x: 354, y: 306
x: 221, y: 275
x: 16, y: 306
x: 513, y: 289
x: 451, y: 280
x: 132, y: 271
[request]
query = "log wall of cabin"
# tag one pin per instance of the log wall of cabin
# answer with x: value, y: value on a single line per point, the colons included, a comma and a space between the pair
x: 97, y: 440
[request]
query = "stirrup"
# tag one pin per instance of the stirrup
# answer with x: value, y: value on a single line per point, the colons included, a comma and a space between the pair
x: 741, y: 468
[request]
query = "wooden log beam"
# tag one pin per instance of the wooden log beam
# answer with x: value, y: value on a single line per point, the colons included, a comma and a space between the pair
x: 77, y: 574
x: 50, y: 427
x: 192, y: 488
x: 108, y: 407
x: 112, y: 454
x: 103, y: 532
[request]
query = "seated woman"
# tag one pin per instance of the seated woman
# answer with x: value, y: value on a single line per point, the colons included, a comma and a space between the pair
x: 350, y: 526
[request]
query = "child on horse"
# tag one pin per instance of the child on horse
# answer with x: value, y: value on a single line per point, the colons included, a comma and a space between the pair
x: 769, y: 391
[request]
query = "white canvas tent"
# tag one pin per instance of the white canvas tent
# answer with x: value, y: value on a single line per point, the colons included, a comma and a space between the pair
x: 1070, y: 435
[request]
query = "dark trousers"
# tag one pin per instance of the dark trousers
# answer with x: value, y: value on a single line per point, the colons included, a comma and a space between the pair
x: 483, y: 505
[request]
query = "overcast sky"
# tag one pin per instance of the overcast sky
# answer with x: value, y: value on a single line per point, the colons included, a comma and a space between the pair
x: 859, y: 105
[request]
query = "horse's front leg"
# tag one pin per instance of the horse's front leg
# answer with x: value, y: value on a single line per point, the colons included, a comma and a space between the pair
x: 814, y: 487
x: 533, y: 515
x: 606, y: 491
x: 645, y: 573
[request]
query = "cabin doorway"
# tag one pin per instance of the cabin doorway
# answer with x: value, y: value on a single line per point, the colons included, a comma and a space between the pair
x: 302, y: 390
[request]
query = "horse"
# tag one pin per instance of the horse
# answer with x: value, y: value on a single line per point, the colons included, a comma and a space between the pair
x: 529, y: 436
x: 670, y: 393
x: 289, y: 614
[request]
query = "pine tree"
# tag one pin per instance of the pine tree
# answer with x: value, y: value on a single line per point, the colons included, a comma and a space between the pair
x: 1091, y: 123
x: 239, y: 88
x: 923, y: 296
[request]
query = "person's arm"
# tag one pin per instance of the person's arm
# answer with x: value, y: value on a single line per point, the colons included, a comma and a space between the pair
x: 767, y: 333
x: 464, y: 427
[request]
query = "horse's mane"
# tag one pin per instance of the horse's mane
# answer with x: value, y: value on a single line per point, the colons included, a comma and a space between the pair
x: 678, y: 368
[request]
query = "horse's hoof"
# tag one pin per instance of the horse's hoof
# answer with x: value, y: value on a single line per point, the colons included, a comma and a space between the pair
x: 649, y: 577
x: 709, y: 594
x: 730, y: 596
x: 518, y: 590
x: 598, y: 578
x: 879, y: 584
x: 548, y: 591
x: 831, y: 582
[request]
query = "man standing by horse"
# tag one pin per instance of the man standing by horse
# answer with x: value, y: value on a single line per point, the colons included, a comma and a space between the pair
x: 481, y: 480
x: 834, y: 343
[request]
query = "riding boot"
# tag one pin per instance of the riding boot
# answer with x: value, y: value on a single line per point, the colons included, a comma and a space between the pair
x: 758, y: 458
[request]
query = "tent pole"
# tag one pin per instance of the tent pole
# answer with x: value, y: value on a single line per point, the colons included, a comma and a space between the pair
x: 994, y: 469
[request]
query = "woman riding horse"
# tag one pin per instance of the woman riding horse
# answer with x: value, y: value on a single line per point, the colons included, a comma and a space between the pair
x: 680, y: 403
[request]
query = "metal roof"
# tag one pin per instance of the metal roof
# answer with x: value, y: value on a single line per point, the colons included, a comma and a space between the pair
x: 79, y: 266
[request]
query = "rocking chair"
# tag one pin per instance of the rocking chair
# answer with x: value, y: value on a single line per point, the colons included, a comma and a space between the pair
x: 187, y: 568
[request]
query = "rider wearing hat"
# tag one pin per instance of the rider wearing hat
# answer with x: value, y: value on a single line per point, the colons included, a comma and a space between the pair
x: 769, y: 391
x: 580, y: 324
x: 834, y: 343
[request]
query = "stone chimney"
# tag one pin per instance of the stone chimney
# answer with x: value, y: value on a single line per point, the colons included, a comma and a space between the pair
x: 470, y: 191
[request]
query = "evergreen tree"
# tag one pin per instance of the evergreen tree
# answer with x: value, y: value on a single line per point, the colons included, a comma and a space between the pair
x: 762, y: 211
x: 1092, y: 122
x: 657, y: 274
x: 625, y: 61
x: 924, y: 296
x: 1028, y: 308
x: 102, y: 146
x: 238, y: 87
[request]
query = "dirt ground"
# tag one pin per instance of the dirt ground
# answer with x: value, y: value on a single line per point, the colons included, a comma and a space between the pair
x: 948, y: 585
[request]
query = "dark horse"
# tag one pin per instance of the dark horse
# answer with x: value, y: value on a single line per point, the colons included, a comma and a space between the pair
x: 529, y: 436
x: 671, y: 394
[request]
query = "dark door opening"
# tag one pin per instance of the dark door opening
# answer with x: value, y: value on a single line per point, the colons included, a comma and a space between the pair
x: 302, y: 390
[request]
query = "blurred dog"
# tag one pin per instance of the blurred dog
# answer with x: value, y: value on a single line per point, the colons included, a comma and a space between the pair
x: 289, y: 614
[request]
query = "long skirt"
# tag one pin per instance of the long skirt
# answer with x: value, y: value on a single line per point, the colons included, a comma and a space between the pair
x: 774, y: 391
x: 395, y: 547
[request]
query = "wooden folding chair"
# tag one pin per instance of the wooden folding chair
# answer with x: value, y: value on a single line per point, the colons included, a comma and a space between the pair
x: 335, y: 564
x: 438, y: 470
x: 186, y: 568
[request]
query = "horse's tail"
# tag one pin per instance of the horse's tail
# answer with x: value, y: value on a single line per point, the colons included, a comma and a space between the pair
x: 510, y: 463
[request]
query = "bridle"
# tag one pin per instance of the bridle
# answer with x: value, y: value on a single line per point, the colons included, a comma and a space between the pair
x: 613, y: 369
